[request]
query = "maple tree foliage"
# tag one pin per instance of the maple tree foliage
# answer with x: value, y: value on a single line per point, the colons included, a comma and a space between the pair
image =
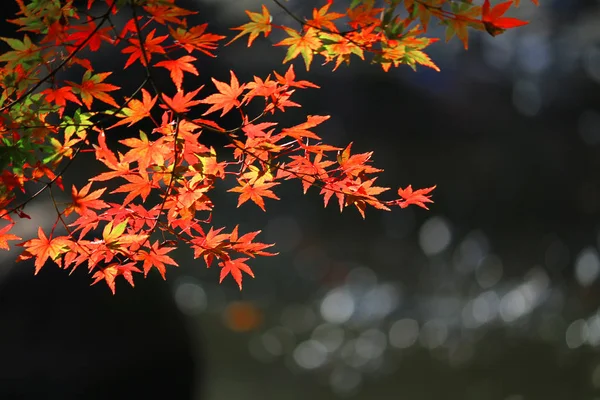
x: 165, y: 177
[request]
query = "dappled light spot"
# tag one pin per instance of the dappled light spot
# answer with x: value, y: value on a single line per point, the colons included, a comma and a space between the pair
x: 587, y: 266
x: 435, y: 236
x: 338, y: 306
x: 404, y: 333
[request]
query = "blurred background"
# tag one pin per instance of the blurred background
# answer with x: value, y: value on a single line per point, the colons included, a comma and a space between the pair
x: 492, y: 294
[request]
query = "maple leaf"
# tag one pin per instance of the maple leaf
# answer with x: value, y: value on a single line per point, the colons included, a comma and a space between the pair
x: 157, y: 258
x: 308, y: 170
x: 112, y: 234
x: 176, y: 68
x: 146, y: 152
x: 245, y: 245
x: 494, y: 21
x: 209, y: 245
x: 60, y: 96
x: 464, y: 16
x: 255, y: 191
x: 196, y: 39
x: 151, y: 45
x: 254, y: 131
x: 5, y: 237
x: 88, y: 33
x: 44, y: 248
x: 82, y: 201
x: 181, y: 103
x: 110, y: 273
x: 92, y: 87
x: 354, y: 165
x: 227, y: 98
x: 305, y: 44
x: 301, y: 131
x: 235, y: 268
x: 418, y: 197
x: 138, y: 186
x: 323, y: 18
x: 289, y: 79
x: 167, y: 11
x: 261, y: 23
x: 136, y: 110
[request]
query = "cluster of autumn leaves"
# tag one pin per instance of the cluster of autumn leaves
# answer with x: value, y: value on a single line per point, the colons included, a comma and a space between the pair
x: 162, y: 181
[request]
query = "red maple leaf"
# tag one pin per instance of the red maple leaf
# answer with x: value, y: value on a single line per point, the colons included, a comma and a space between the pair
x: 82, y: 201
x: 60, y: 96
x: 227, y: 98
x: 151, y: 45
x: 493, y: 19
x: 87, y: 32
x: 418, y: 197
x: 235, y: 268
x: 176, y: 68
x: 138, y: 186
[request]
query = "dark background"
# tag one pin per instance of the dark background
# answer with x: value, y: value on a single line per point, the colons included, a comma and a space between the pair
x: 492, y: 294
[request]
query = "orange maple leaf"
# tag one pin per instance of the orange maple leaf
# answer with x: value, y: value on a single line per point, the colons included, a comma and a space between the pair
x: 227, y: 98
x: 176, y: 68
x: 5, y: 237
x: 209, y: 245
x: 181, y: 102
x: 110, y: 273
x: 301, y: 131
x: 235, y: 268
x: 136, y: 110
x: 244, y: 244
x: 418, y: 197
x: 44, y: 248
x: 255, y: 191
x: 157, y: 258
x: 146, y: 152
x: 323, y: 18
x: 196, y: 39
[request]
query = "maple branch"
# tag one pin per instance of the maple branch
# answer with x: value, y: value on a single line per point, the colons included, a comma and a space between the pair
x: 46, y: 185
x: 306, y: 23
x: 64, y: 62
x: 318, y: 182
x: 169, y: 187
x: 325, y: 30
x: 59, y: 214
x: 79, y: 148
